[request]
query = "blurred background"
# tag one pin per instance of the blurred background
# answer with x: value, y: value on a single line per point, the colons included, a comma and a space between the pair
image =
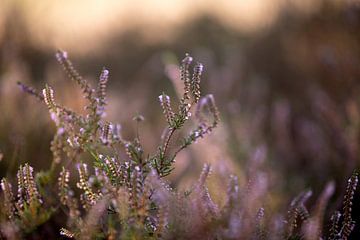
x: 285, y: 75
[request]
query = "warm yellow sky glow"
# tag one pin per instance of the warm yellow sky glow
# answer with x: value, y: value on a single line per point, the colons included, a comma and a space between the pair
x: 88, y: 22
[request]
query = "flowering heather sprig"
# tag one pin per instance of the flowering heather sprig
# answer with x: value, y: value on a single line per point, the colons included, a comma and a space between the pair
x: 348, y: 222
x: 48, y: 94
x: 166, y: 106
x: 66, y: 233
x: 76, y: 133
x: 106, y: 131
x: 135, y: 187
x: 334, y: 227
x: 204, y: 127
x: 162, y: 162
x: 185, y: 75
x: 297, y: 212
x: 21, y: 192
x: 31, y: 91
x: 30, y: 185
x: 195, y: 85
x: 101, y: 92
x: 89, y: 197
x: 50, y: 98
x: 63, y: 118
x: 95, y: 103
x: 66, y: 196
x: 27, y: 210
x: 63, y: 182
x: 111, y: 168
x: 63, y: 59
x: 8, y: 204
x: 83, y: 175
x: 185, y: 104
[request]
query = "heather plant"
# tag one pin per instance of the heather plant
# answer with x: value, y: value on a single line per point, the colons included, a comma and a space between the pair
x: 122, y: 192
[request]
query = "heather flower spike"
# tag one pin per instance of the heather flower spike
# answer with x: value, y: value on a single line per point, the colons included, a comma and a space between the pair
x: 185, y: 75
x: 8, y: 198
x: 63, y: 182
x: 31, y: 91
x: 195, y: 84
x: 48, y: 94
x: 166, y: 106
x: 63, y: 59
x: 101, y: 92
x: 348, y: 223
x: 66, y: 233
x: 162, y: 162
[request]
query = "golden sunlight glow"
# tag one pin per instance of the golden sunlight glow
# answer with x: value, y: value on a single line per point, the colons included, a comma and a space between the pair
x: 85, y: 24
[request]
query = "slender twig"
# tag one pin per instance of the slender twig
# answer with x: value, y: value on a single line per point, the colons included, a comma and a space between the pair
x: 168, y: 139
